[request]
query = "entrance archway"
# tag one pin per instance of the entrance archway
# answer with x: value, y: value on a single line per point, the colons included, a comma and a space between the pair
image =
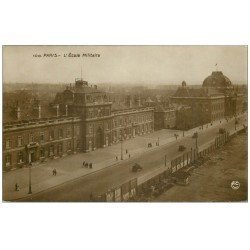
x: 99, y: 138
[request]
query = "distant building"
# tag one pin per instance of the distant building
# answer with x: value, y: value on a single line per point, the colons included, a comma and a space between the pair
x: 216, y: 99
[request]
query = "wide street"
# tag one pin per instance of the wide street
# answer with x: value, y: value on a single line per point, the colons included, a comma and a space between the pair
x: 98, y: 182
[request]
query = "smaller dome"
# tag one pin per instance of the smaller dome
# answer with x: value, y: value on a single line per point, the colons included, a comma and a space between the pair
x: 217, y: 80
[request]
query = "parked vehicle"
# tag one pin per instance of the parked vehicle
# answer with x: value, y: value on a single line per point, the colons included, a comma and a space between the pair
x: 136, y: 167
x: 182, y: 148
x: 195, y: 135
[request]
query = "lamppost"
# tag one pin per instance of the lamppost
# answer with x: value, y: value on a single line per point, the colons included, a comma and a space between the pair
x: 176, y: 136
x: 195, y: 136
x: 30, y: 192
x: 29, y: 162
x: 121, y: 148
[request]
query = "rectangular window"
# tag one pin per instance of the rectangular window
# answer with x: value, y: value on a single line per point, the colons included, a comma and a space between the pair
x: 77, y: 131
x: 60, y: 148
x: 51, y: 150
x: 90, y: 128
x: 107, y: 126
x: 19, y: 141
x: 8, y: 160
x: 60, y: 133
x: 69, y: 145
x: 42, y: 152
x: 31, y: 138
x: 41, y: 136
x: 8, y: 144
x: 51, y: 135
x: 20, y: 157
x: 68, y: 132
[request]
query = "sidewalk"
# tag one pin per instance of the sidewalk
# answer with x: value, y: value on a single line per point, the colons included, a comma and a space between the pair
x: 70, y: 167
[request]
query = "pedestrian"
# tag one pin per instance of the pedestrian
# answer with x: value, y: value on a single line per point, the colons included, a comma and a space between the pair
x: 55, y: 172
x: 129, y: 155
x: 126, y: 151
x: 83, y: 164
x: 86, y: 165
x: 116, y: 158
x: 16, y: 187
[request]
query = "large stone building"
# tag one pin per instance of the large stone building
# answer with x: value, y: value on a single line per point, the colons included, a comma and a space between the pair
x: 216, y: 99
x: 82, y: 120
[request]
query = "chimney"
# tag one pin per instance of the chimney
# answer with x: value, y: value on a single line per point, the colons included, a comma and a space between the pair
x: 57, y: 110
x: 39, y: 111
x: 138, y: 101
x: 66, y: 110
x: 128, y: 101
x: 18, y: 112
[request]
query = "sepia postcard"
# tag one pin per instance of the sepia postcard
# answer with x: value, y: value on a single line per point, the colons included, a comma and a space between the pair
x: 124, y: 124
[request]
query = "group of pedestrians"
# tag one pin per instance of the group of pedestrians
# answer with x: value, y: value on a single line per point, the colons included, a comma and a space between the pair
x: 87, y: 165
x: 17, y: 187
x: 126, y: 151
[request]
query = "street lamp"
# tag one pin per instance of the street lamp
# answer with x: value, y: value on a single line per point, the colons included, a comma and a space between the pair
x: 121, y: 148
x: 195, y: 136
x: 29, y: 160
x: 30, y: 192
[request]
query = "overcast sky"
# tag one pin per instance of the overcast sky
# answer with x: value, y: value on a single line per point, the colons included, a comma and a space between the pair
x: 124, y: 64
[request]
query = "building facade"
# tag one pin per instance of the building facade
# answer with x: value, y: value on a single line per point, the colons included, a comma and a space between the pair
x: 216, y: 99
x: 165, y: 118
x: 83, y: 121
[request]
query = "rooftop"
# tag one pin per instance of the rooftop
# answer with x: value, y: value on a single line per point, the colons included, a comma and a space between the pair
x: 217, y: 80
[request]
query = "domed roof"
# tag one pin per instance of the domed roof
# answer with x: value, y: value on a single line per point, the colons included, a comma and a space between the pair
x: 217, y: 80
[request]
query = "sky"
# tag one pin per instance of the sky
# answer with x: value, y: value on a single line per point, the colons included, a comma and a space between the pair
x: 123, y: 64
